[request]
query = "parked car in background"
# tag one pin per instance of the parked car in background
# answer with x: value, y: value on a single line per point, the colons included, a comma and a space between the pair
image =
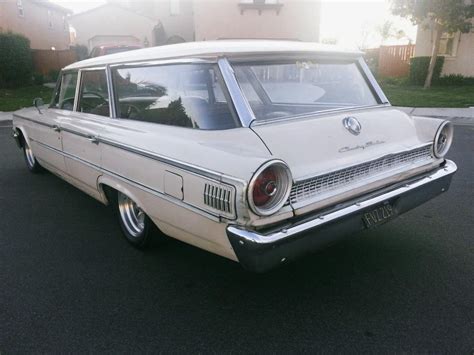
x: 111, y: 49
x: 258, y: 151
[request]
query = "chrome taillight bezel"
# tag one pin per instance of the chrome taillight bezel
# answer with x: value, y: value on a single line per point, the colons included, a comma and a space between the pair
x: 280, y: 197
x: 445, y: 131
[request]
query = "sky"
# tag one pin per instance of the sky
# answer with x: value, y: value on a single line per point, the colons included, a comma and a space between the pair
x: 349, y: 23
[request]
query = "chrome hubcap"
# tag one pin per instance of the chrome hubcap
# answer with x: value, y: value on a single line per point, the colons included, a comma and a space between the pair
x: 132, y: 216
x: 30, y: 158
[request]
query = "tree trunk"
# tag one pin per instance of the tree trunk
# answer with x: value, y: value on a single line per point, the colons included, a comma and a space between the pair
x: 434, y: 55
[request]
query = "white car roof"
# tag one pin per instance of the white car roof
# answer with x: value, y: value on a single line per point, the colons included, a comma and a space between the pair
x: 213, y: 49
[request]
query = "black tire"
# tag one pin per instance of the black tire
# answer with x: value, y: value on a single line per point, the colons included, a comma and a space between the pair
x: 137, y: 228
x: 30, y: 159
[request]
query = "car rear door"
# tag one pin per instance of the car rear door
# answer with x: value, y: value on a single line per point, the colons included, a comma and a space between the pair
x: 81, y: 128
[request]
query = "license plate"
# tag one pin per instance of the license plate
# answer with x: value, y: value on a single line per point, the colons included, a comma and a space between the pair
x: 378, y: 215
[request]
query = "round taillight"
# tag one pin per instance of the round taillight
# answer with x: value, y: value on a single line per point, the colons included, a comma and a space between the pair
x: 443, y: 139
x: 269, y: 188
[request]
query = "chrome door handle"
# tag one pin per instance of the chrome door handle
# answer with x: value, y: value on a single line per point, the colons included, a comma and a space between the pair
x: 56, y: 128
x: 93, y: 139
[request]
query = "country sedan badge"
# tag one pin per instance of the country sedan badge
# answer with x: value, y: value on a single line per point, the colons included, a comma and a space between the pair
x: 352, y: 125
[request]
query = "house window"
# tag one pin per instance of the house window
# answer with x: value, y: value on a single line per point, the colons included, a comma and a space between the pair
x: 448, y: 44
x: 174, y: 7
x: 21, y: 11
x: 50, y: 19
x: 260, y: 5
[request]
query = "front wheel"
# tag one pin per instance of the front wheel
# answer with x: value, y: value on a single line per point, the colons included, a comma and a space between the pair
x: 136, y: 226
x: 30, y: 160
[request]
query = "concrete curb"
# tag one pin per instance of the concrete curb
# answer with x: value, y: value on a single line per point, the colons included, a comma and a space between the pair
x: 6, y: 116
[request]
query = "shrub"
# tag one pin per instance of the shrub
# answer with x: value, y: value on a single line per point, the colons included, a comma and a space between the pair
x: 38, y: 79
x: 81, y: 52
x: 16, y: 66
x: 455, y: 80
x: 53, y: 75
x: 419, y: 69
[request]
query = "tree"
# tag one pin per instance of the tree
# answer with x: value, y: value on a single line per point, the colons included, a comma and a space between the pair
x: 443, y: 15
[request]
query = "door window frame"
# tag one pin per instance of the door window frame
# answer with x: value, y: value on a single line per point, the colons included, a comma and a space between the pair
x: 110, y: 94
x: 57, y: 89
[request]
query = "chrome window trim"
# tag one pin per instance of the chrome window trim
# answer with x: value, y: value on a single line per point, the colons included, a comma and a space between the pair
x: 79, y: 83
x: 372, y: 82
x: 149, y: 63
x: 111, y: 92
x: 241, y: 104
x: 249, y: 116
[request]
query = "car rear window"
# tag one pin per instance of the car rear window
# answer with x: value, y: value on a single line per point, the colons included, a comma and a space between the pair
x: 184, y: 95
x: 300, y: 87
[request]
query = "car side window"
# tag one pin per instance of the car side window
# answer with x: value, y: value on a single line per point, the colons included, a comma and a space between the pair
x: 65, y: 96
x: 183, y: 95
x: 94, y: 97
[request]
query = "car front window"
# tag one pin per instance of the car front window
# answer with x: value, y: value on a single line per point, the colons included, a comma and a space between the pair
x: 300, y: 87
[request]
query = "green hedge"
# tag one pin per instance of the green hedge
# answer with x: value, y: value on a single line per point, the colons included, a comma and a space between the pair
x: 455, y: 80
x: 16, y: 67
x: 419, y: 69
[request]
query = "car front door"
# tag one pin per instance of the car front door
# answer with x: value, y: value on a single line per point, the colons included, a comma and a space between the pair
x: 81, y: 128
x: 44, y: 128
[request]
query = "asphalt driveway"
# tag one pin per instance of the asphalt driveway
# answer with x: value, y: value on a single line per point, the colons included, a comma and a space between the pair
x: 69, y: 283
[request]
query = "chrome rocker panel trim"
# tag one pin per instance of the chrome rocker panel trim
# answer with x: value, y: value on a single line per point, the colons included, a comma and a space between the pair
x: 260, y: 251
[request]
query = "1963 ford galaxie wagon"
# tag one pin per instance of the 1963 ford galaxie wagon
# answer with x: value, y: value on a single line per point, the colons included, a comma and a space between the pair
x: 259, y: 151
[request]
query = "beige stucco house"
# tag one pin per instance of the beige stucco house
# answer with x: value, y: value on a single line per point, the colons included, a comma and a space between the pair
x: 269, y: 19
x: 44, y: 23
x: 111, y: 24
x: 171, y: 21
x: 458, y: 49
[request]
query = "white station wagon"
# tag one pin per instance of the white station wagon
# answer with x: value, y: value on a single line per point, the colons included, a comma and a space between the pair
x: 258, y: 151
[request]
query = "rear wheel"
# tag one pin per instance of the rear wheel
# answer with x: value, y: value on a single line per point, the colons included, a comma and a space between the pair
x: 30, y: 160
x: 136, y: 226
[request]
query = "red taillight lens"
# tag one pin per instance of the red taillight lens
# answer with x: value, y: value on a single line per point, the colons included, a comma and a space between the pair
x: 265, y: 187
x: 269, y: 188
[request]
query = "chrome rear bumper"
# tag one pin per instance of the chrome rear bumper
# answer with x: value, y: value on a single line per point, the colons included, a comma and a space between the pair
x: 262, y: 250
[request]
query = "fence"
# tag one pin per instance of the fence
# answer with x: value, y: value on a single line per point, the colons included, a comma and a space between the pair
x: 44, y: 61
x: 394, y: 61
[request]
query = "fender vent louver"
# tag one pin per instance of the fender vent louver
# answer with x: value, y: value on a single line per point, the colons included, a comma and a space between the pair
x: 219, y: 197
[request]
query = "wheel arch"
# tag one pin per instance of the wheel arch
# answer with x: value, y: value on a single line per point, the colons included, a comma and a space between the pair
x: 108, y: 185
x: 20, y: 137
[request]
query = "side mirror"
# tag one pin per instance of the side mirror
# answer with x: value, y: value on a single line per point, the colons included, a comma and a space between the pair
x: 38, y: 102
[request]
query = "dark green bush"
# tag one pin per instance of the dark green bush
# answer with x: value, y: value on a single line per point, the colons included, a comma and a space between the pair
x: 53, y: 75
x: 16, y: 66
x: 38, y: 79
x: 419, y: 69
x: 455, y: 80
x: 82, y: 52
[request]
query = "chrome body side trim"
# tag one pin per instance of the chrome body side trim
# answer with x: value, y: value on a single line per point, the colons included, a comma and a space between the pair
x: 318, y: 113
x: 34, y: 121
x: 148, y: 189
x: 170, y: 161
